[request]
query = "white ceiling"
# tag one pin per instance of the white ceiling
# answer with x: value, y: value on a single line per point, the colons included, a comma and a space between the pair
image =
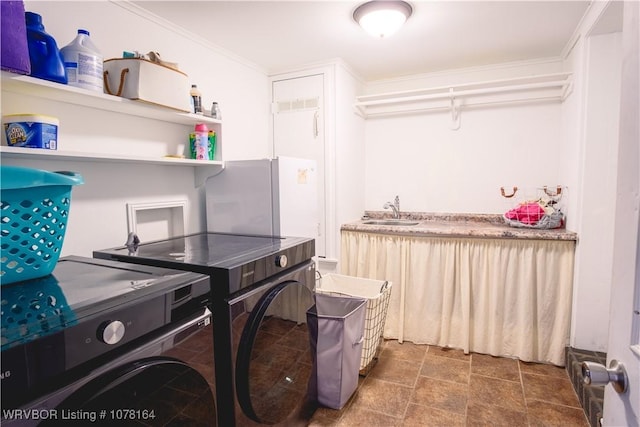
x: 440, y: 35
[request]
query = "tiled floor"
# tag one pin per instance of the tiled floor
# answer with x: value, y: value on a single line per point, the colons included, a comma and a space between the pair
x: 420, y: 385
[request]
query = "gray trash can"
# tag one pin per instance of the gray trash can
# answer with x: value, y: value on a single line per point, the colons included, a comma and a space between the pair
x: 336, y: 331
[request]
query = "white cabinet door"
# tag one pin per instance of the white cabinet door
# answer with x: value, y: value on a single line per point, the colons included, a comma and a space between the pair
x: 623, y: 409
x: 298, y: 131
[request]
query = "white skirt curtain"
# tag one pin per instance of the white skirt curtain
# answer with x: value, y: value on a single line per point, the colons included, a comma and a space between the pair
x: 504, y: 297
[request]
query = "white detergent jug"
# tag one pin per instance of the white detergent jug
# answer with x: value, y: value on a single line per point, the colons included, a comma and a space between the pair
x: 83, y: 63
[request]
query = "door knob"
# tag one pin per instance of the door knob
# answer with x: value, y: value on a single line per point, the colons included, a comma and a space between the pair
x: 597, y: 374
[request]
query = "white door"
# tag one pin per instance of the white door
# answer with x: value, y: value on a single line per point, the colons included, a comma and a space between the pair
x: 623, y: 409
x: 298, y: 112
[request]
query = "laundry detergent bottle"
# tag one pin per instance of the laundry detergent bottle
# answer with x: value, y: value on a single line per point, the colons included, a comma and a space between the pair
x: 83, y: 63
x: 44, y: 56
x: 202, y: 142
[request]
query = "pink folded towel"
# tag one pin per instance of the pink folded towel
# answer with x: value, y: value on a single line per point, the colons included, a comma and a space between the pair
x: 527, y: 213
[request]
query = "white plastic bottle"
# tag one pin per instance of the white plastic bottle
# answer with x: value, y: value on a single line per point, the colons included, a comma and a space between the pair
x: 215, y: 111
x: 196, y: 99
x: 83, y: 63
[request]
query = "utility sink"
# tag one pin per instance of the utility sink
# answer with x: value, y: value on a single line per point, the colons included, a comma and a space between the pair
x: 389, y: 222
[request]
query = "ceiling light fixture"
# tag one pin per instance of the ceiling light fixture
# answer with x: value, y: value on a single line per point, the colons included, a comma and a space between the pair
x: 382, y: 18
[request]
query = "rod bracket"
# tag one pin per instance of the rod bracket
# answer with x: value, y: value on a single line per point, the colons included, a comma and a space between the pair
x: 455, y: 110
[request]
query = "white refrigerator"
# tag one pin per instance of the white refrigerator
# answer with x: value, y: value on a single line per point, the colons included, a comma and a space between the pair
x: 266, y: 197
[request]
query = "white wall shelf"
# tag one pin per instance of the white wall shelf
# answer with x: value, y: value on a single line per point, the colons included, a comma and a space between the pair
x: 547, y: 87
x: 203, y: 168
x: 42, y: 154
x: 44, y: 89
x: 101, y: 101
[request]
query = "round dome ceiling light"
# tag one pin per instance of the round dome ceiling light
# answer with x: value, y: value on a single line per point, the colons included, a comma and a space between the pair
x: 382, y: 18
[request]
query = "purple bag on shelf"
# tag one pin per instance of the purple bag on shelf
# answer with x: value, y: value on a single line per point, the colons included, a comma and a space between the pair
x: 13, y: 38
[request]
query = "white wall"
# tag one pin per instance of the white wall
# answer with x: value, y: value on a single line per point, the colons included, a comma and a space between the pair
x: 98, y: 211
x: 98, y: 217
x: 349, y: 148
x: 465, y: 75
x: 590, y: 135
x: 435, y: 169
x: 596, y: 206
x: 570, y: 151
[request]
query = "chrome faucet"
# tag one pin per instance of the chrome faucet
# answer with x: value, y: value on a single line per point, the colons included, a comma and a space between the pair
x: 395, y: 206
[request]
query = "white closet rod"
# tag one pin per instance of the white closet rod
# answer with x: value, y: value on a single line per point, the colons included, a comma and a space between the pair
x: 487, y: 83
x: 361, y: 113
x: 468, y: 92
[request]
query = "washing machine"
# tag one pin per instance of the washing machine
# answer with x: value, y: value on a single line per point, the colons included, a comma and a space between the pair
x: 258, y: 347
x: 100, y: 343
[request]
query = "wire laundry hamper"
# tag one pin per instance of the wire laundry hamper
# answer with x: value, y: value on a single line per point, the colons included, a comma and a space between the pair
x: 377, y: 293
x: 540, y: 208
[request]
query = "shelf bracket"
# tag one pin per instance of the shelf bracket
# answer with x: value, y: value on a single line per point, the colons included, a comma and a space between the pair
x: 455, y: 110
x: 567, y: 89
x: 201, y: 173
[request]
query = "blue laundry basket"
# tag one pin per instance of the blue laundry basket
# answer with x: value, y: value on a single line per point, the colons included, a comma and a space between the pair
x: 33, y: 309
x: 34, y: 211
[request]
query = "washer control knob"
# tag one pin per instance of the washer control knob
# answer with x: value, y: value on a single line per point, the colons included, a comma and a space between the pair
x: 111, y: 332
x: 281, y: 261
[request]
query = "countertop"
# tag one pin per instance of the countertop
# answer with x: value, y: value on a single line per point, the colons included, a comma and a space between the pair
x: 455, y: 225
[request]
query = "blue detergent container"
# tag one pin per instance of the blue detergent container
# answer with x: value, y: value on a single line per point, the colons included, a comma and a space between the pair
x: 44, y: 55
